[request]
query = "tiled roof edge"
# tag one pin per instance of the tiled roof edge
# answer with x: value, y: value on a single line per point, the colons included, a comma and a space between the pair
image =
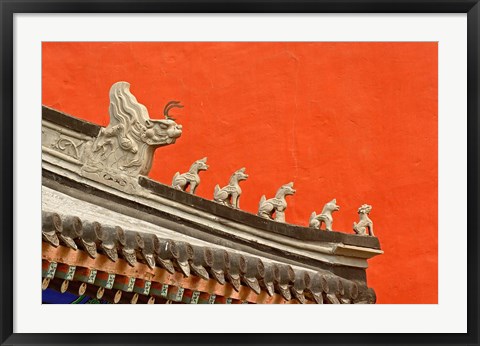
x: 204, y: 262
x: 92, y: 195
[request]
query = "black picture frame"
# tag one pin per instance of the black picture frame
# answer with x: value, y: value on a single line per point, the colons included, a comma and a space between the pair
x: 10, y: 7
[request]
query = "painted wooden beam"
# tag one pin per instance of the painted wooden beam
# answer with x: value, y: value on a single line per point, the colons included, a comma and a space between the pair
x: 107, y: 271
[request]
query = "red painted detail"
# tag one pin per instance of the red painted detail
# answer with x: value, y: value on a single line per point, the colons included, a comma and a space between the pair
x: 354, y: 121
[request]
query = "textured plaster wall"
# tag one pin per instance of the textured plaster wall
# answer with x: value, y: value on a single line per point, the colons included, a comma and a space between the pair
x: 355, y: 121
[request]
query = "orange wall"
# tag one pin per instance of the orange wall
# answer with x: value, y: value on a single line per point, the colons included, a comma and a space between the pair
x: 355, y: 121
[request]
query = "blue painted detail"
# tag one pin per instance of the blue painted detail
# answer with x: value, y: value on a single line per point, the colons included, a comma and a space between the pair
x: 50, y: 296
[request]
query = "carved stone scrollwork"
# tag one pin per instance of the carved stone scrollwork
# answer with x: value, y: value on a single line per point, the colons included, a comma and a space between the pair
x: 68, y: 147
x: 124, y: 149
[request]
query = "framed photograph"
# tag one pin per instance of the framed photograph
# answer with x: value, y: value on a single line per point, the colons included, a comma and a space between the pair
x: 285, y: 158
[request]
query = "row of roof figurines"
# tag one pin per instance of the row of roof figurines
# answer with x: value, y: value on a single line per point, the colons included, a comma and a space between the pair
x: 135, y: 131
x: 272, y: 208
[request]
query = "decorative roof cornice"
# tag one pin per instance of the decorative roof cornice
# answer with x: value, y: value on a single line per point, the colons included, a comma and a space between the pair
x: 105, y: 167
x: 178, y: 264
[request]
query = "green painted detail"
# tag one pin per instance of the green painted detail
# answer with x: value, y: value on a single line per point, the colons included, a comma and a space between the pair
x: 195, y: 296
x: 70, y: 273
x: 78, y: 300
x: 92, y: 276
x: 93, y: 301
x: 110, y: 281
x: 228, y: 301
x: 179, y: 295
x: 164, y: 291
x: 212, y: 298
x: 51, y: 270
x: 244, y: 302
x: 131, y: 284
x: 146, y: 289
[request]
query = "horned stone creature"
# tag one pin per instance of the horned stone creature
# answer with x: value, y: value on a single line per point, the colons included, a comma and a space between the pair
x: 276, y: 205
x: 230, y: 194
x: 124, y: 149
x: 365, y: 223
x: 190, y: 178
x: 325, y: 216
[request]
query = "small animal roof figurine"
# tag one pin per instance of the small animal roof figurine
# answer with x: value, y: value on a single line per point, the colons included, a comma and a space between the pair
x: 190, y: 178
x: 230, y: 195
x: 365, y: 224
x: 276, y: 205
x: 325, y: 216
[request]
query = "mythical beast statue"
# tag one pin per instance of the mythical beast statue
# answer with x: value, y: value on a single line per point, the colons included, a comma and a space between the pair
x: 124, y: 149
x: 325, y: 216
x: 365, y: 225
x: 230, y: 195
x: 190, y: 178
x: 276, y: 205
